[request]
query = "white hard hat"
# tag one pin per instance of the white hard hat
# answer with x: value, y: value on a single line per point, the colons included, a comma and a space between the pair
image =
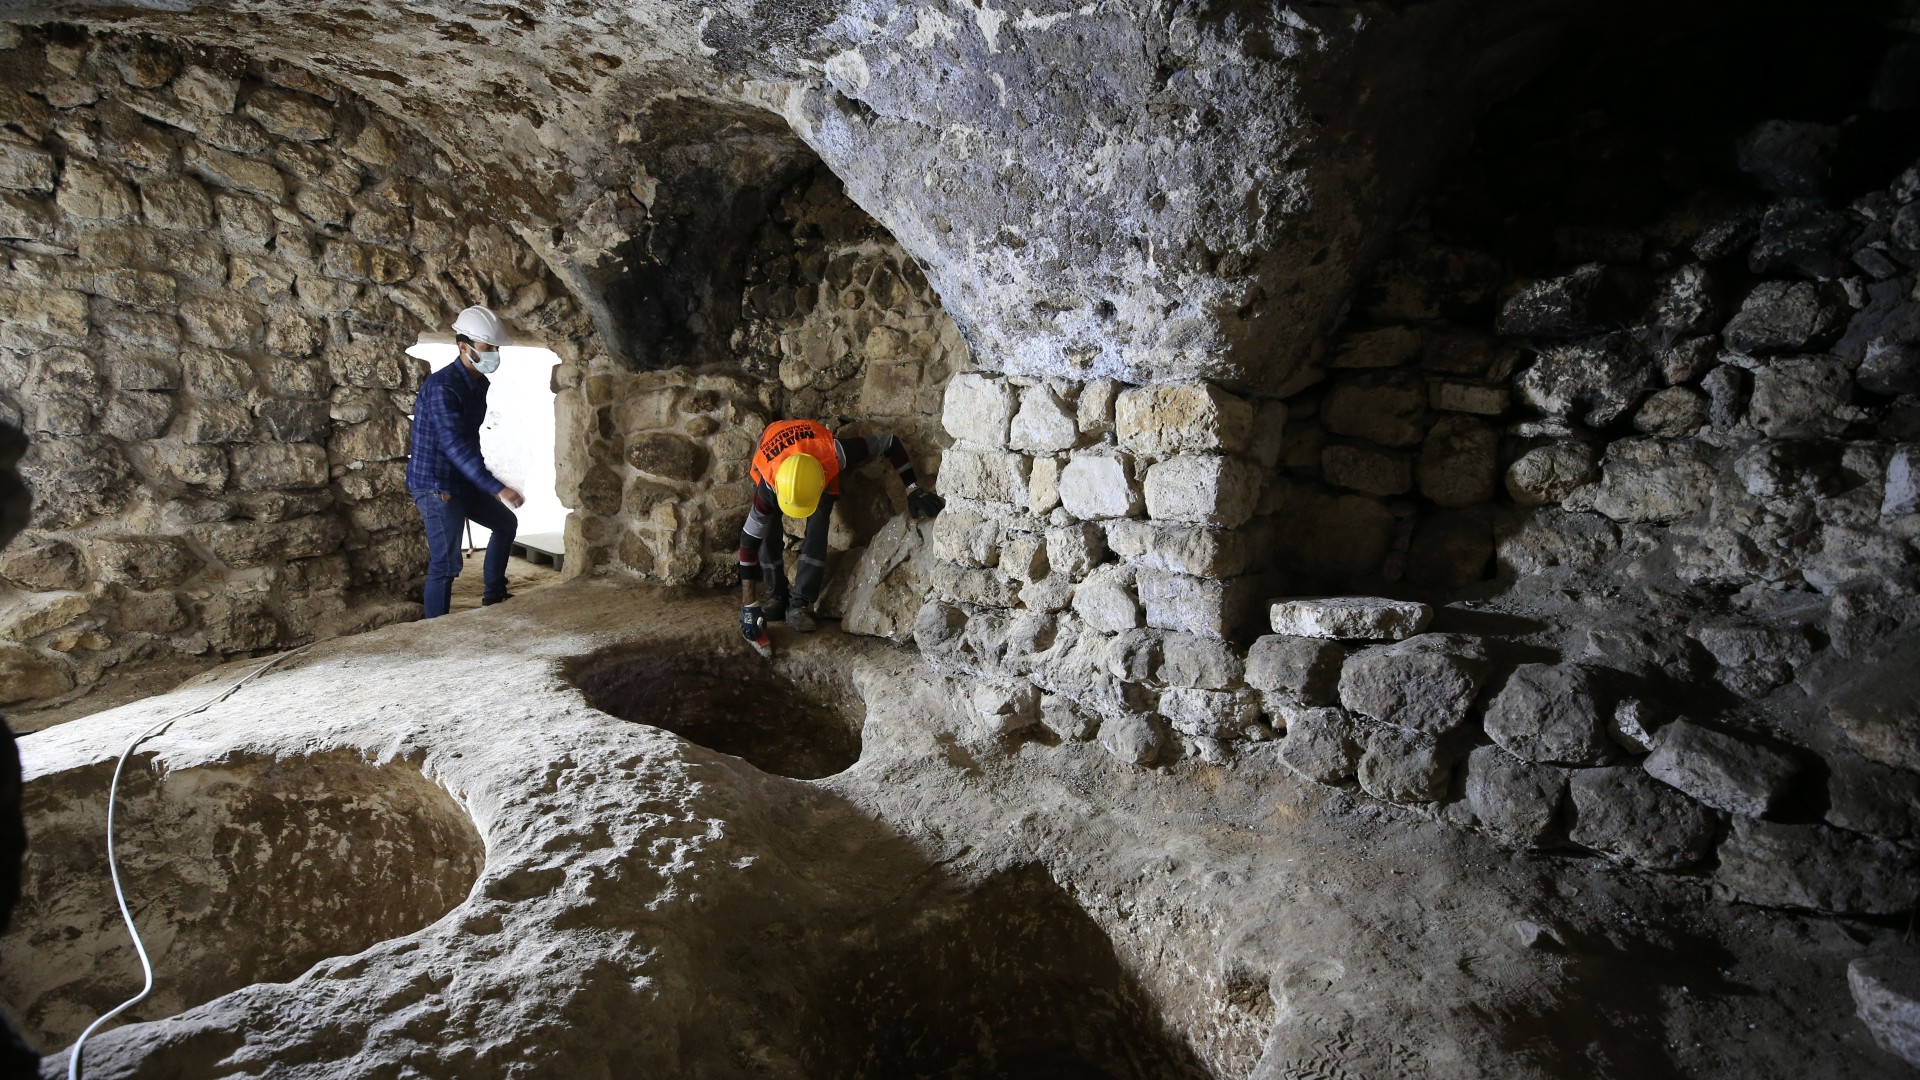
x: 481, y: 324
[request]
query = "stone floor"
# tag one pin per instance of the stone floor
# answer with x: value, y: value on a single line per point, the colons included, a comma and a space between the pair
x: 952, y: 904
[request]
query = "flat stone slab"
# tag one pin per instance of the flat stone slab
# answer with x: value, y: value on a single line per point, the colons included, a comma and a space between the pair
x: 1351, y: 618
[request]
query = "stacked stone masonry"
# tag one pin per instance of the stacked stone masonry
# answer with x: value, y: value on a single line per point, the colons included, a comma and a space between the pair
x: 1720, y: 411
x: 213, y: 270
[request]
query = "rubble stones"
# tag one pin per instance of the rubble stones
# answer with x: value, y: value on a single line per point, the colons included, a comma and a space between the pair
x: 1517, y: 799
x: 1403, y: 766
x: 1200, y: 489
x: 1305, y: 669
x: 1720, y: 770
x: 1350, y: 618
x: 1800, y: 395
x: 1816, y: 868
x: 1626, y: 813
x: 1782, y: 316
x: 1212, y: 714
x: 1675, y: 412
x: 1550, y: 713
x: 1548, y: 474
x: 1879, y: 712
x: 1754, y: 659
x: 1592, y: 298
x: 1450, y: 550
x: 1890, y: 368
x: 1886, y: 997
x: 1652, y: 480
x: 1457, y: 465
x: 1902, y: 487
x: 142, y: 562
x: 1425, y: 683
x: 1868, y: 797
x: 1387, y: 409
x: 1106, y: 601
x: 1320, y: 746
x: 978, y: 409
x: 1595, y: 383
x: 1133, y: 739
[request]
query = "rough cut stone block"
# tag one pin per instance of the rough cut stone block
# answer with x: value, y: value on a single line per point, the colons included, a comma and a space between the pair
x: 1800, y: 394
x: 986, y: 475
x: 1595, y: 383
x: 1388, y: 408
x: 1548, y: 474
x: 1074, y: 550
x: 269, y: 466
x: 1367, y: 469
x: 1320, y: 746
x: 1184, y: 549
x: 1005, y: 706
x: 1403, y: 766
x: 1424, y: 683
x: 978, y: 409
x: 1549, y: 713
x: 1886, y: 996
x: 1722, y: 771
x: 1044, y: 423
x: 238, y: 172
x: 1160, y: 420
x: 1470, y: 398
x: 1785, y: 316
x: 1204, y: 606
x: 1458, y: 465
x: 1863, y: 796
x: 1199, y: 663
x: 1817, y: 868
x: 1902, y: 491
x: 1202, y: 490
x: 1515, y: 798
x: 1211, y: 714
x: 1591, y: 299
x: 25, y: 168
x: 142, y: 562
x: 1106, y: 600
x: 1095, y: 486
x: 1351, y: 618
x: 1305, y: 669
x: 1133, y: 739
x: 1387, y: 347
x: 1626, y: 813
x: 1653, y: 480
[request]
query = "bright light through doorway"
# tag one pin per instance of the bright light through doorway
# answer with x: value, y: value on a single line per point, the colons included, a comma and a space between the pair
x: 517, y: 436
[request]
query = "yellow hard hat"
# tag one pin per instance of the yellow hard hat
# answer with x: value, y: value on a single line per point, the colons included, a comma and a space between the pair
x: 798, y: 485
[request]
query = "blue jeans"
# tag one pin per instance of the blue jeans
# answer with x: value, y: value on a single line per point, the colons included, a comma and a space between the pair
x: 446, y: 515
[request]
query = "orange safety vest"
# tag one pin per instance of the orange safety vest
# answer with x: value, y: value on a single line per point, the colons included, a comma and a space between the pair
x: 784, y: 438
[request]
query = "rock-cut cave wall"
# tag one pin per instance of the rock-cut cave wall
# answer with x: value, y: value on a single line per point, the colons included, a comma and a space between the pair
x: 214, y: 265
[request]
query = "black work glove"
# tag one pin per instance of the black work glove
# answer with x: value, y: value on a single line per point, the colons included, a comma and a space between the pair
x: 922, y: 503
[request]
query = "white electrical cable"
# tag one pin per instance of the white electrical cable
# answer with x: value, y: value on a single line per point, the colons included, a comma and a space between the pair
x: 113, y: 868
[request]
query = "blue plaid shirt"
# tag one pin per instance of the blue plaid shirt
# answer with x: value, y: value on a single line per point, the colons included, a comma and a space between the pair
x: 446, y: 434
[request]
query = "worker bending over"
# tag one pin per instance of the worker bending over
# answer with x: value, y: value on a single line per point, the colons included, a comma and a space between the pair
x: 796, y: 471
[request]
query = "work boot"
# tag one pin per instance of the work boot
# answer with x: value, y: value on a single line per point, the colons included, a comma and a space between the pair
x: 800, y: 617
x: 487, y: 601
x: 774, y: 610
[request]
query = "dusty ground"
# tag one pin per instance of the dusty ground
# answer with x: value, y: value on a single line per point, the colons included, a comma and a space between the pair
x: 948, y: 906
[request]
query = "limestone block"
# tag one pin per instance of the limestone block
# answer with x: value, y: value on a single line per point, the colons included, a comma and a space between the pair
x: 1023, y: 558
x: 1095, y: 486
x: 217, y: 422
x: 985, y: 475
x: 1185, y: 549
x: 978, y: 409
x: 1593, y: 298
x: 133, y: 334
x: 966, y: 538
x: 73, y: 480
x: 1044, y: 423
x: 980, y: 587
x: 1902, y: 488
x: 1350, y: 618
x: 23, y: 217
x: 60, y: 414
x: 57, y: 313
x: 1595, y: 383
x: 1320, y: 745
x: 1886, y: 997
x: 1387, y: 408
x: 889, y: 582
x: 378, y: 221
x: 1202, y: 489
x: 42, y: 564
x: 1005, y: 706
x: 1799, y: 395
x: 232, y: 170
x: 1303, y: 669
x: 290, y: 115
x: 1754, y: 659
x: 220, y: 322
x: 270, y: 466
x: 1157, y: 421
x: 1199, y: 663
x: 1653, y: 480
x: 1785, y: 316
x: 1816, y: 868
x: 1206, y: 606
x: 43, y: 613
x: 243, y: 221
x: 1133, y: 739
x: 1724, y: 772
x: 1549, y: 713
x: 1132, y: 656
x: 1402, y: 766
x: 26, y: 168
x: 1106, y: 600
x: 1367, y: 469
x: 890, y: 388
x: 1673, y: 413
x: 293, y: 421
x: 1626, y: 813
x: 1451, y: 396
x: 1210, y: 714
x: 1093, y: 411
x: 668, y: 457
x: 142, y: 562
x: 208, y: 91
x: 1068, y: 721
x: 1387, y: 347
x: 196, y: 465
x: 1425, y: 683
x: 1548, y: 474
x: 215, y: 374
x: 1458, y: 462
x: 368, y: 364
x: 1517, y: 799
x: 1074, y: 550
x: 235, y: 134
x: 140, y: 288
x: 29, y: 675
x: 352, y: 261
x: 370, y: 146
x: 1687, y: 360
x: 240, y: 544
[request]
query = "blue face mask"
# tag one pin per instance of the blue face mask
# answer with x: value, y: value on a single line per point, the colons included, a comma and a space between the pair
x: 486, y: 363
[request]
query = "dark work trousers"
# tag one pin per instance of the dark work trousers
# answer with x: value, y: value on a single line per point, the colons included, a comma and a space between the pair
x: 446, y: 515
x: 813, y: 557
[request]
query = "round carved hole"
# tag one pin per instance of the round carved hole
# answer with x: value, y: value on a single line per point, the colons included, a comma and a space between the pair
x: 247, y: 871
x: 736, y: 704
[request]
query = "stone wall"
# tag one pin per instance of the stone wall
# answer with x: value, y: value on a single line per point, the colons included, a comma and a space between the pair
x: 213, y: 266
x: 1636, y: 484
x: 836, y: 324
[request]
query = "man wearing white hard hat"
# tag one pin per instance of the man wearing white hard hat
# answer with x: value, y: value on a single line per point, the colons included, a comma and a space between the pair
x: 447, y: 477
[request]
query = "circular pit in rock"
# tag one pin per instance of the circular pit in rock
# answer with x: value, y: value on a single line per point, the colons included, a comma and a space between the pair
x: 736, y: 704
